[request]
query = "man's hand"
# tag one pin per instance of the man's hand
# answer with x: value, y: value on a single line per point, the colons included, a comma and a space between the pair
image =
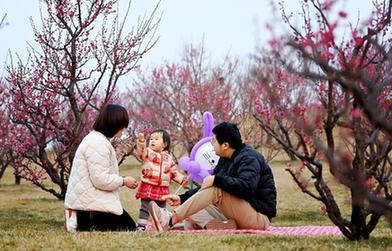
x: 130, y: 182
x: 208, y: 182
x: 172, y: 199
x: 184, y: 181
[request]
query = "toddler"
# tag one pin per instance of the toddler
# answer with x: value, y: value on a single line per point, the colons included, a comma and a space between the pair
x: 158, y: 171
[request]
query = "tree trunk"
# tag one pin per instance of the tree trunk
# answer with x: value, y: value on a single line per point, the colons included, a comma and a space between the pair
x: 17, y: 179
x: 358, y: 224
x: 2, y: 170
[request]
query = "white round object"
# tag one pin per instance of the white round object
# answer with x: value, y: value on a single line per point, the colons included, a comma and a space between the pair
x: 206, y: 157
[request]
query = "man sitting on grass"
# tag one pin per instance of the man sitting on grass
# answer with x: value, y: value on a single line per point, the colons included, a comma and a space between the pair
x: 240, y: 193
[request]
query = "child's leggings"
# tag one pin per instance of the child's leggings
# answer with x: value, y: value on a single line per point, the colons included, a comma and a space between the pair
x: 143, y: 212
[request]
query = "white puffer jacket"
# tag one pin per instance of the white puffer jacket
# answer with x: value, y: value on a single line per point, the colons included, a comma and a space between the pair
x: 94, y: 180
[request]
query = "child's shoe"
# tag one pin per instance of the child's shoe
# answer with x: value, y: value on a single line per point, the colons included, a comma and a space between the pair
x: 140, y: 228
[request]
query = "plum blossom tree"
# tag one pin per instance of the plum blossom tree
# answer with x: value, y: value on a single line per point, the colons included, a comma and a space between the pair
x: 74, y: 69
x: 339, y: 109
x: 265, y: 94
x: 6, y: 156
x: 175, y: 96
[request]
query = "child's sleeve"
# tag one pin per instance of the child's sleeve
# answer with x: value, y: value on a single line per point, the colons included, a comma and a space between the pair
x: 141, y: 149
x: 176, y: 175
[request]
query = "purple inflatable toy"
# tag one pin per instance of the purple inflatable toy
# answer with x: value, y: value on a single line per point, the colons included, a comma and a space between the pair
x: 203, y: 158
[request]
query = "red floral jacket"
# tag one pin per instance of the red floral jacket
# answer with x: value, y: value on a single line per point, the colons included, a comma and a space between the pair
x: 159, y: 168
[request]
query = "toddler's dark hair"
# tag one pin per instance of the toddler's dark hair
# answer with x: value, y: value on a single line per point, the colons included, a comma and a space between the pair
x: 165, y: 137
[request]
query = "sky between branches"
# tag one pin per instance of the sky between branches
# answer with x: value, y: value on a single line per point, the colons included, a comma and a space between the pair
x: 232, y: 27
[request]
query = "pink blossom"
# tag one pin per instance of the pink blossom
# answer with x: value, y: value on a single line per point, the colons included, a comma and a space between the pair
x: 343, y: 14
x: 323, y: 209
x: 356, y: 113
x: 327, y: 5
x: 358, y: 41
x: 272, y: 42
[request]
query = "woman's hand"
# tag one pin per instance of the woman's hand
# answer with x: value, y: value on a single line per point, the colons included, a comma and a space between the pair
x: 172, y: 199
x: 130, y: 182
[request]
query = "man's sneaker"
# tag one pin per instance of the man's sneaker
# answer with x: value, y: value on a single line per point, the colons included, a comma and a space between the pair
x: 221, y: 224
x: 160, y: 217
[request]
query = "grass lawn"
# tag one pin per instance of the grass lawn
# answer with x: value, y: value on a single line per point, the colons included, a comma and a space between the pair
x: 31, y: 219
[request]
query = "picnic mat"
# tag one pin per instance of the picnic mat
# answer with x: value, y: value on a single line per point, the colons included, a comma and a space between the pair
x: 297, y: 230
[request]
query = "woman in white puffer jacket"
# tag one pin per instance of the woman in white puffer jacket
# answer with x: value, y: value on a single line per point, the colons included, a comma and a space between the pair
x: 92, y: 201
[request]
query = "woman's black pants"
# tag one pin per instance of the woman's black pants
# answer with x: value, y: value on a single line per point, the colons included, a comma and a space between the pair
x: 100, y: 221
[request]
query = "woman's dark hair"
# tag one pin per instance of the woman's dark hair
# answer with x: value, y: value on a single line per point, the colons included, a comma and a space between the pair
x: 165, y: 137
x: 228, y: 132
x: 111, y: 119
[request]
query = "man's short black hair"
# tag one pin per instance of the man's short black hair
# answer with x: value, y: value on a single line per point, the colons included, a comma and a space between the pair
x: 228, y: 132
x: 111, y: 119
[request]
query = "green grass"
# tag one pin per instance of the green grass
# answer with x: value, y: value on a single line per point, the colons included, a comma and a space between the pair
x: 31, y: 219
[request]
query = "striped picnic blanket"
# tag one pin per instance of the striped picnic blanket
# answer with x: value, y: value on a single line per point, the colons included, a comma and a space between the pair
x: 274, y: 230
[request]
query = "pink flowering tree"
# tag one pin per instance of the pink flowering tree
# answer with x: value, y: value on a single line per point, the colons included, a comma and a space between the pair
x: 52, y: 99
x: 265, y: 94
x: 338, y: 106
x: 5, y: 147
x: 247, y: 123
x: 126, y: 145
x: 6, y: 155
x: 174, y: 96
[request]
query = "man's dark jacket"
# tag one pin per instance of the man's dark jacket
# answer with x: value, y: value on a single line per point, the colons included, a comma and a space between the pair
x: 246, y: 175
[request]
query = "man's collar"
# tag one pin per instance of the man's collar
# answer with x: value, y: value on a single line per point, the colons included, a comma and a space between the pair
x: 236, y: 152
